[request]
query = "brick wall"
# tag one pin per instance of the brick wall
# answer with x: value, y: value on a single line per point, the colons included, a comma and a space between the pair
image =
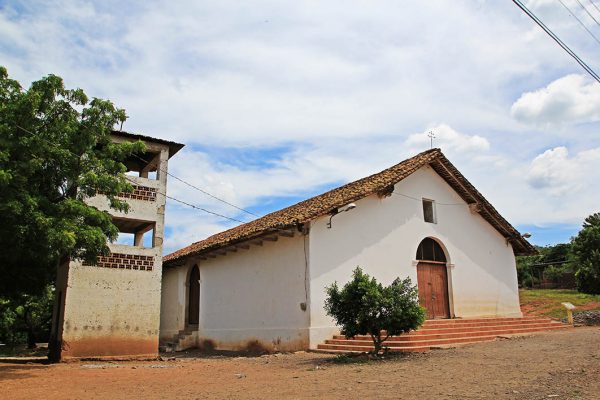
x: 126, y: 261
x: 140, y: 193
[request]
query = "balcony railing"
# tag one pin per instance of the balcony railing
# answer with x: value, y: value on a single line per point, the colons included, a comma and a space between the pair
x: 127, y: 257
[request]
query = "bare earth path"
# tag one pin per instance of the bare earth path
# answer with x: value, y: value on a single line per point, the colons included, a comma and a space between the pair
x: 561, y: 365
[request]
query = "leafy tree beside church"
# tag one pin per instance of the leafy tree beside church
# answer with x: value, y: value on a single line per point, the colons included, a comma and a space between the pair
x: 585, y: 248
x: 55, y: 151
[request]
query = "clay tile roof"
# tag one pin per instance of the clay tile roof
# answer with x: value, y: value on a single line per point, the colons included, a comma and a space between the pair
x: 174, y: 147
x: 325, y: 203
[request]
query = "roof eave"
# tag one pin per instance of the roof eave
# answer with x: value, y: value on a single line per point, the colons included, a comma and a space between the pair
x: 174, y: 147
x: 181, y: 259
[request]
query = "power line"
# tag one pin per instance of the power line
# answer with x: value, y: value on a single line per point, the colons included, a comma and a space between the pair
x: 213, y: 196
x: 588, y: 12
x: 595, y: 6
x: 189, y: 204
x: 566, y: 48
x: 420, y: 200
x: 132, y: 181
x: 580, y: 21
x: 201, y: 190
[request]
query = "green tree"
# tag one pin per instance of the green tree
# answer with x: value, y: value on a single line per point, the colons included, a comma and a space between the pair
x: 528, y: 276
x: 365, y: 307
x: 27, y: 318
x: 55, y: 151
x: 8, y: 333
x: 586, y: 255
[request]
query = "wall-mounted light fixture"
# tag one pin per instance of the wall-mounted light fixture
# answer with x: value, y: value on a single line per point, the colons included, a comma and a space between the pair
x: 342, y: 209
x: 509, y: 239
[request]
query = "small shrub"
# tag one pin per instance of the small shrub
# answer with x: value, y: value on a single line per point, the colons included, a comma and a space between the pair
x: 365, y: 307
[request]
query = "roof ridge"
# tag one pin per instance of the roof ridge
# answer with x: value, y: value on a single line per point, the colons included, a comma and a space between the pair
x: 299, y: 212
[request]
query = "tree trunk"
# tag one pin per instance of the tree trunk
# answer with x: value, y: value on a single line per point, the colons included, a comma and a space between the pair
x: 30, y: 338
x: 54, y: 342
x: 376, y: 344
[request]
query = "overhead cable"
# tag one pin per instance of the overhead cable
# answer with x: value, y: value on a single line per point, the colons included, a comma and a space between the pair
x: 554, y: 37
x: 189, y: 204
x: 201, y: 190
x: 595, y: 6
x: 132, y: 181
x: 588, y: 12
x: 580, y: 21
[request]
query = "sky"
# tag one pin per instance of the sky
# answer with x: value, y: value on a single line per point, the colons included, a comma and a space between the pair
x: 277, y: 101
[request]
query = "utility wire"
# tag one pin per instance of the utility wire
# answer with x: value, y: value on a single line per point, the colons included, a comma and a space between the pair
x: 588, y: 12
x: 436, y: 202
x: 566, y: 48
x: 134, y: 182
x: 201, y: 190
x: 580, y: 21
x: 595, y: 6
x: 189, y: 204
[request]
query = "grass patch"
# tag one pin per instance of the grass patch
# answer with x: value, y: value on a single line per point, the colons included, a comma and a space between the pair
x: 547, y: 302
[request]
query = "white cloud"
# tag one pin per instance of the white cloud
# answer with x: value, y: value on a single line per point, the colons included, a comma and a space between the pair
x: 449, y: 140
x: 556, y: 173
x: 345, y: 89
x: 570, y: 99
x: 301, y: 170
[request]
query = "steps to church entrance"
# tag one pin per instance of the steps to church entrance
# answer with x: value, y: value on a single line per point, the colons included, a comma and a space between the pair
x: 445, y: 333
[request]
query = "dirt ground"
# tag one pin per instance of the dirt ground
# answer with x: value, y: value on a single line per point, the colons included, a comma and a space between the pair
x: 561, y: 365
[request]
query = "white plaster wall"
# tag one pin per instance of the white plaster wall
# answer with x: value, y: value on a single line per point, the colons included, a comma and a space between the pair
x: 112, y: 312
x: 173, y: 302
x: 249, y: 295
x: 382, y: 235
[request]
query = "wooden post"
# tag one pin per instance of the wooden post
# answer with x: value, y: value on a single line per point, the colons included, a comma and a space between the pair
x: 570, y: 307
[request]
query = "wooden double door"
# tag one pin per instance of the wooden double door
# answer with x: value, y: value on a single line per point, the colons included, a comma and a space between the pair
x: 432, y: 282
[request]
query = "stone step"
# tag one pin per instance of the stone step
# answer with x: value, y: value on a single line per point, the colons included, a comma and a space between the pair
x: 420, y: 335
x: 446, y: 333
x: 485, y: 323
x: 452, y: 331
x: 488, y: 323
x: 480, y: 328
x: 486, y: 319
x: 415, y: 343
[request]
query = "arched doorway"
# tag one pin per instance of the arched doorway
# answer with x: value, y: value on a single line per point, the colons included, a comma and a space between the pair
x: 432, y: 279
x: 194, y: 296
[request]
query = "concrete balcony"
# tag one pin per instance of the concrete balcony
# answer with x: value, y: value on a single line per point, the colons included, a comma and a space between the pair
x: 130, y: 257
x: 144, y: 202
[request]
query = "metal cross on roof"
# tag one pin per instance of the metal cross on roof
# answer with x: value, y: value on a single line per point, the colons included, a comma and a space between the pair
x: 431, y: 136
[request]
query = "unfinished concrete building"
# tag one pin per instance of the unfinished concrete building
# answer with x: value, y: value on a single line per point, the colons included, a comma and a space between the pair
x: 112, y: 309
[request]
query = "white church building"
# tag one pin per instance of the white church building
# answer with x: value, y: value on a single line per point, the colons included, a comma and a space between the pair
x: 263, y: 283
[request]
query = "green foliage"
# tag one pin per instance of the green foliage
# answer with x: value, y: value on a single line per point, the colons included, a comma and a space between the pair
x: 365, y: 307
x: 55, y: 151
x: 8, y: 335
x: 548, y: 302
x: 27, y: 318
x: 556, y: 272
x: 559, y: 252
x: 586, y: 255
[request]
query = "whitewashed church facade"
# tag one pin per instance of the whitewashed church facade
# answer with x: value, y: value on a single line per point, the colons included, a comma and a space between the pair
x: 263, y: 283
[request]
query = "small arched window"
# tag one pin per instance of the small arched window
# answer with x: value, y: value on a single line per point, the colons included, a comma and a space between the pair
x: 430, y: 250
